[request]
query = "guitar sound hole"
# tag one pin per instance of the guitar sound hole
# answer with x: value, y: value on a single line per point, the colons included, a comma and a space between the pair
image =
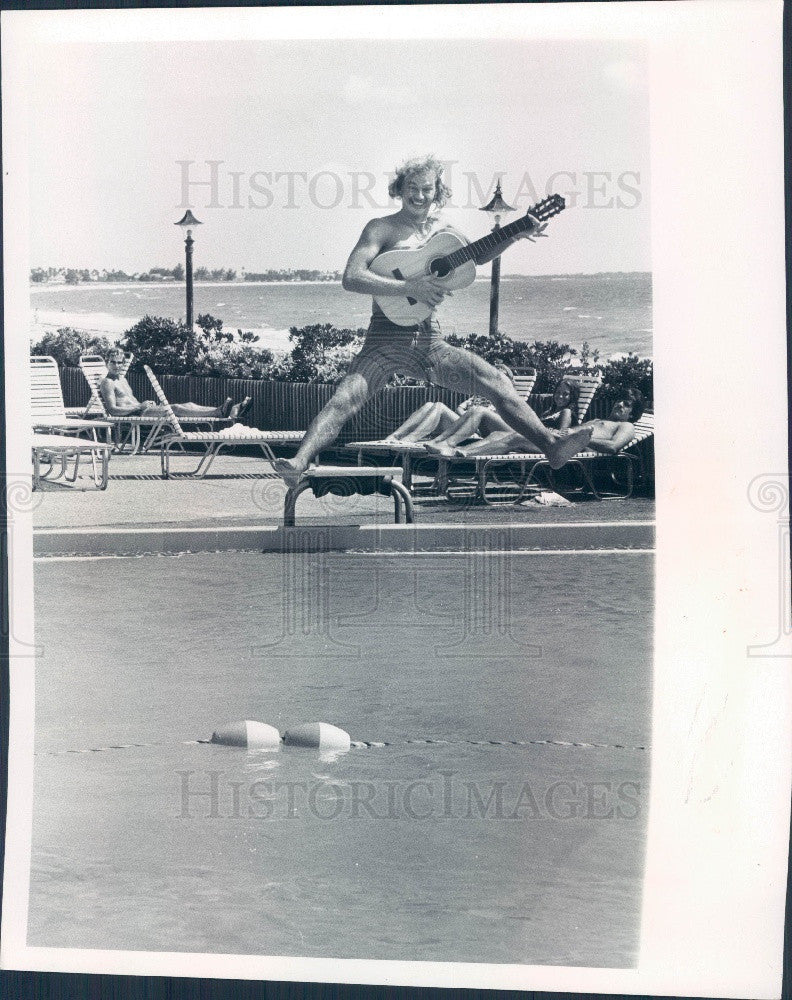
x: 440, y: 268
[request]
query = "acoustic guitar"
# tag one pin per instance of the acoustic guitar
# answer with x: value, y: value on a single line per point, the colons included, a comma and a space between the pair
x: 450, y: 259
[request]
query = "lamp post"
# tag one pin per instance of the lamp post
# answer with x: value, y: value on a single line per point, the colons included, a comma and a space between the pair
x: 497, y: 207
x: 186, y: 222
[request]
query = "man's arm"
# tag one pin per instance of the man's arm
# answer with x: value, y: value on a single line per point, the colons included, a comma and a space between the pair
x: 358, y: 277
x: 613, y: 443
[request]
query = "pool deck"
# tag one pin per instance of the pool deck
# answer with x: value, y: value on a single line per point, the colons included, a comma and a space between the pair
x: 239, y: 505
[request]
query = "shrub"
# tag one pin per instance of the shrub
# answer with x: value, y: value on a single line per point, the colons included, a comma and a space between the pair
x: 165, y: 344
x: 212, y: 330
x: 549, y: 358
x: 629, y: 372
x: 239, y: 361
x: 321, y: 353
x: 66, y: 345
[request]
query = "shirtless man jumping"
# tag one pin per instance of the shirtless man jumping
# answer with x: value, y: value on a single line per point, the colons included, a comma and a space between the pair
x: 417, y: 351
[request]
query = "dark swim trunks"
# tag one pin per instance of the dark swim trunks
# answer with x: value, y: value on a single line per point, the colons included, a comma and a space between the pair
x: 407, y: 350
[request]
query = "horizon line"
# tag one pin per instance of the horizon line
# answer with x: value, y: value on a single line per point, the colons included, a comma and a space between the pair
x: 241, y: 281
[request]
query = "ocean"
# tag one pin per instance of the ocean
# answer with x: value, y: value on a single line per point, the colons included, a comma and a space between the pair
x: 611, y: 312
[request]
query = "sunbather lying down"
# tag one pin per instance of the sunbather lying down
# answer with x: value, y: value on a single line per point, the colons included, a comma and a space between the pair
x: 438, y: 422
x: 476, y: 418
x: 120, y: 401
x: 608, y: 437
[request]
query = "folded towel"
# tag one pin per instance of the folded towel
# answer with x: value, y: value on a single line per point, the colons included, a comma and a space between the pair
x: 549, y: 499
x: 239, y: 431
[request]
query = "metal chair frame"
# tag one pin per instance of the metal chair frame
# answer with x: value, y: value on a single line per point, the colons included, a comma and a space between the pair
x: 46, y: 448
x: 213, y: 441
x: 94, y: 369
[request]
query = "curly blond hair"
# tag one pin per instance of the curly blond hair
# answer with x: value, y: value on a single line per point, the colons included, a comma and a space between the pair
x: 419, y: 165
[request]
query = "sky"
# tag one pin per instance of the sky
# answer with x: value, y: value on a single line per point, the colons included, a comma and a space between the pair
x: 304, y: 133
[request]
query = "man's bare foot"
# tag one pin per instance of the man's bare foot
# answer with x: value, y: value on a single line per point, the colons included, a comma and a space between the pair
x: 288, y: 470
x: 566, y: 447
x: 238, y: 410
x: 439, y: 449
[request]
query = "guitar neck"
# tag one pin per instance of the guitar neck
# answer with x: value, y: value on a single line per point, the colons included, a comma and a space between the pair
x: 488, y: 243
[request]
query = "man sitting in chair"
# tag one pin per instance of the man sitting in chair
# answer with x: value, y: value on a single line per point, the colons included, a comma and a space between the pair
x: 615, y: 433
x: 120, y: 401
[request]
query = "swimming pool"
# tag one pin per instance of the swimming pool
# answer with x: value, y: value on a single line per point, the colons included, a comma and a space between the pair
x: 497, y: 843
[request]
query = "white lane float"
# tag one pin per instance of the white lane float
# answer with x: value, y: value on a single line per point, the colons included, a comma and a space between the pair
x: 250, y: 734
x: 317, y: 735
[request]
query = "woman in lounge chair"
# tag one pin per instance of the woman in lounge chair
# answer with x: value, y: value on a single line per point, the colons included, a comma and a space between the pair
x: 435, y: 421
x: 563, y: 409
x: 120, y: 401
x: 609, y: 436
x: 479, y: 423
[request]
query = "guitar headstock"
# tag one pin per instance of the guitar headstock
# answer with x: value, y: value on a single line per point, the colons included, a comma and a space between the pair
x: 547, y: 208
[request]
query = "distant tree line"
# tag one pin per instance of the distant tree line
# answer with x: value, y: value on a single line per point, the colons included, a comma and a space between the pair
x: 77, y: 276
x: 217, y: 274
x: 289, y: 274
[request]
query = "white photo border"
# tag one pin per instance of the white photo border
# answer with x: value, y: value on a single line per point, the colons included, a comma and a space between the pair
x: 715, y: 882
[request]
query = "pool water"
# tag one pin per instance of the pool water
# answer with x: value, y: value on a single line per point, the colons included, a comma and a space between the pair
x: 458, y: 850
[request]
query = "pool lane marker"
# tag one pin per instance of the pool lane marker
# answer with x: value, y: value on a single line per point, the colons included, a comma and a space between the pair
x: 496, y: 743
x: 252, y: 735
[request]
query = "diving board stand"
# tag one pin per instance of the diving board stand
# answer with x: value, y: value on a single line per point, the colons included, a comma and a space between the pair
x: 350, y: 480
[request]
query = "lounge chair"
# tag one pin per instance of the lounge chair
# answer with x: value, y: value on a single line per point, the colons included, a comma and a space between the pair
x: 507, y: 479
x: 627, y: 461
x: 407, y: 451
x: 128, y: 428
x: 212, y: 442
x: 48, y: 412
x: 525, y: 382
x: 587, y: 388
x: 52, y: 452
x: 458, y: 474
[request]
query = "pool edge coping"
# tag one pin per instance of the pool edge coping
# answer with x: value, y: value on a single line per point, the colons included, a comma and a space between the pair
x: 386, y: 538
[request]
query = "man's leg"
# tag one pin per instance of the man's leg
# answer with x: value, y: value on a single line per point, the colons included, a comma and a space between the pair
x: 458, y: 369
x: 353, y: 391
x: 196, y: 410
